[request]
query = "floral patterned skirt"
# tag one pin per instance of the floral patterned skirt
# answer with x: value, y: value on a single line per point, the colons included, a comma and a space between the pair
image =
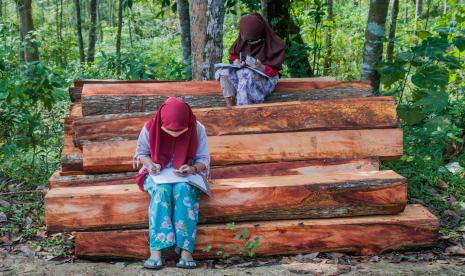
x: 246, y: 85
x: 173, y: 215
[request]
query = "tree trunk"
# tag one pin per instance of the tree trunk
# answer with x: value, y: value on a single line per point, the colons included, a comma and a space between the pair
x: 373, y: 48
x: 392, y: 30
x: 31, y: 51
x: 92, y: 30
x: 327, y: 62
x: 60, y: 25
x: 214, y: 45
x: 1, y: 8
x: 278, y: 15
x: 418, y: 10
x: 130, y: 29
x: 184, y: 24
x: 198, y: 25
x: 445, y: 7
x: 118, y: 35
x: 82, y: 55
x: 99, y: 19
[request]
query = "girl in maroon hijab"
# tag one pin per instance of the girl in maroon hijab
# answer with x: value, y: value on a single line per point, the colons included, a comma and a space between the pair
x: 257, y: 40
x: 172, y: 139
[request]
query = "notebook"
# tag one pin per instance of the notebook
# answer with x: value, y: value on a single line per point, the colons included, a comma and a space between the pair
x: 167, y: 176
x: 237, y: 66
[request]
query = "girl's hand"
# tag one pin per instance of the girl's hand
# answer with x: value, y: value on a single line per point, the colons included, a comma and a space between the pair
x: 256, y: 65
x: 185, y: 170
x: 153, y: 168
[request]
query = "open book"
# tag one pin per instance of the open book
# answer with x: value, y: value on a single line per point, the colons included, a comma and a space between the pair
x: 167, y: 176
x: 237, y: 66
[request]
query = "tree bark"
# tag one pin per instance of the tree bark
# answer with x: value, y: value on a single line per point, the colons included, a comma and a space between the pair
x: 392, y: 30
x: 31, y: 51
x: 184, y: 25
x: 214, y: 40
x: 82, y: 55
x: 329, y: 50
x: 418, y: 8
x: 60, y: 25
x: 278, y: 15
x: 92, y: 30
x: 373, y: 48
x: 118, y: 35
x: 198, y: 25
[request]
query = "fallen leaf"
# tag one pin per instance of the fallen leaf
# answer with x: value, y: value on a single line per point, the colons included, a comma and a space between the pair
x: 311, y: 256
x: 455, y: 250
x: 286, y: 260
x: 4, y: 203
x: 442, y: 185
x: 3, y: 217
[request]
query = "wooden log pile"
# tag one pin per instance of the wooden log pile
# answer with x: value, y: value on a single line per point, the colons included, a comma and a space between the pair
x: 300, y: 172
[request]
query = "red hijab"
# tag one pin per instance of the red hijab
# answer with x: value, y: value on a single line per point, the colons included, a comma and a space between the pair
x: 270, y: 51
x: 175, y: 115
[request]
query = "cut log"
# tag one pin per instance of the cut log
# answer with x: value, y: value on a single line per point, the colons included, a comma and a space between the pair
x: 141, y: 97
x: 354, y: 113
x: 413, y: 228
x: 310, y: 167
x: 74, y: 114
x: 240, y: 199
x: 76, y: 90
x: 71, y: 156
x: 116, y: 156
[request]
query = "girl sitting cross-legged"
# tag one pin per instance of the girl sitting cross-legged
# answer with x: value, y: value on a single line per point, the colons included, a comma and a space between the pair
x: 172, y: 139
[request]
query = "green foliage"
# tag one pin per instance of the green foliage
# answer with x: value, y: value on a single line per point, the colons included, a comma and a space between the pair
x: 246, y: 247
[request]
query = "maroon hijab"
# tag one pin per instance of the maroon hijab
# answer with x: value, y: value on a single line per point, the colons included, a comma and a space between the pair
x: 175, y: 115
x: 270, y: 51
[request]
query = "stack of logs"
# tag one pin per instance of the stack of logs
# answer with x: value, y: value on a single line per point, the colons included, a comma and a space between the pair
x: 301, y: 172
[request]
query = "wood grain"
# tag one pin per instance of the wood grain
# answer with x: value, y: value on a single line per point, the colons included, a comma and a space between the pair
x: 354, y: 113
x: 142, y: 97
x: 372, y: 235
x: 116, y: 156
x: 240, y: 199
x: 309, y: 167
x: 71, y: 156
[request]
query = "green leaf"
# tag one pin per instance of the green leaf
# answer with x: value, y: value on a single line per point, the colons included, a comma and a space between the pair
x: 422, y: 34
x: 459, y: 42
x: 207, y: 248
x: 439, y: 122
x: 411, y: 115
x: 430, y: 76
x: 218, y: 252
x: 451, y: 61
x: 231, y: 226
x: 434, y: 101
x: 391, y: 72
x: 432, y: 47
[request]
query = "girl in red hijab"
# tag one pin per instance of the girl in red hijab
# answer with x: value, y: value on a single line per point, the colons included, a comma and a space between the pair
x: 172, y: 139
x: 258, y: 47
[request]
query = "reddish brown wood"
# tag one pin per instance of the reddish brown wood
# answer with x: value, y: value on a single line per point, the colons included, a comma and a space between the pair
x: 413, y: 228
x: 354, y: 113
x: 142, y: 97
x: 116, y: 156
x: 240, y: 199
x: 309, y: 167
x: 71, y: 156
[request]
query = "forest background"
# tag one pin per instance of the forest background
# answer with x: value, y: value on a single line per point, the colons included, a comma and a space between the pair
x: 46, y: 44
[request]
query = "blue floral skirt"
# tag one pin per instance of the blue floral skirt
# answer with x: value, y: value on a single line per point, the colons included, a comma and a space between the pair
x: 173, y: 215
x: 246, y: 85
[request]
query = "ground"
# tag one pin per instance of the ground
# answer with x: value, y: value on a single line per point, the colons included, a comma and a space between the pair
x: 427, y: 262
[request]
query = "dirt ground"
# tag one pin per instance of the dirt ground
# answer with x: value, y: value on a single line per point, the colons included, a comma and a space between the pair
x: 423, y: 263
